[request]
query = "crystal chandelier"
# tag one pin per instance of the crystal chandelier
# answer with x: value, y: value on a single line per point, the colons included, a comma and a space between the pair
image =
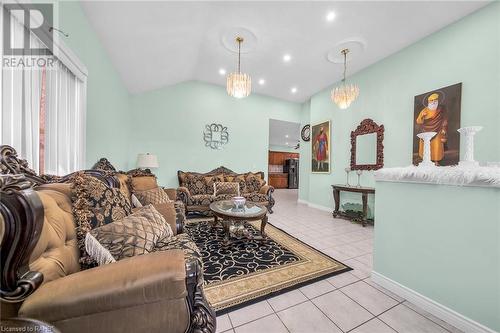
x: 345, y: 94
x: 239, y: 84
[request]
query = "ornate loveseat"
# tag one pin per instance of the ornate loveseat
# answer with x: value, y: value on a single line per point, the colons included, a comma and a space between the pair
x: 196, y: 190
x: 41, y: 277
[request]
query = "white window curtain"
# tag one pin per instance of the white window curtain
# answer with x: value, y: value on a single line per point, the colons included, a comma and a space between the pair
x: 63, y: 149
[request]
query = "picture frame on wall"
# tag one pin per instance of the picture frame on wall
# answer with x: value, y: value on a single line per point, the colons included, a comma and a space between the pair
x: 438, y: 111
x: 321, y: 147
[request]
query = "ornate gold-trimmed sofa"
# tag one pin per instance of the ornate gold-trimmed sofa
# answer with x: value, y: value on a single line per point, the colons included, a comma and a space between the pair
x: 41, y: 277
x: 196, y: 190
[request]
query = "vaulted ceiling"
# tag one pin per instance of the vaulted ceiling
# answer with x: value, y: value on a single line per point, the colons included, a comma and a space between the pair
x: 156, y: 44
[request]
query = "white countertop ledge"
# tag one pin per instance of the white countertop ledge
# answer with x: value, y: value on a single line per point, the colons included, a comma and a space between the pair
x: 450, y: 175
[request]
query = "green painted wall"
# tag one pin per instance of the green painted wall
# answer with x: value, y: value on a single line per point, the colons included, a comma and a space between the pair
x: 170, y: 122
x: 444, y: 243
x: 467, y: 51
x: 108, y: 111
x: 305, y: 155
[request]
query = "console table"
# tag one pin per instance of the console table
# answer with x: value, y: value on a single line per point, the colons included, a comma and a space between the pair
x: 364, y: 196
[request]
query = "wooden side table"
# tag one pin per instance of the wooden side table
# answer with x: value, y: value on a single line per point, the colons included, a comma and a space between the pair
x: 364, y: 196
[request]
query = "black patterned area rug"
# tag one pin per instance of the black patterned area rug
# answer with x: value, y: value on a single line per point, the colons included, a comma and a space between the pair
x: 248, y: 270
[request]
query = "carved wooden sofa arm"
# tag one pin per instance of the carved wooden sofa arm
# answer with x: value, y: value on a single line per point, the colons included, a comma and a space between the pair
x: 184, y: 196
x: 268, y: 191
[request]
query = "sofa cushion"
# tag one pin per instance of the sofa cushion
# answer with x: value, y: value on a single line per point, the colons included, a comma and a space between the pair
x: 226, y: 188
x: 56, y: 253
x: 202, y: 199
x: 95, y: 204
x: 153, y: 196
x: 180, y: 242
x: 135, y: 234
x: 255, y: 197
x: 195, y: 184
x: 210, y: 180
x: 240, y: 179
x: 221, y: 197
x: 124, y: 180
x: 170, y: 214
x: 143, y: 183
x: 254, y: 182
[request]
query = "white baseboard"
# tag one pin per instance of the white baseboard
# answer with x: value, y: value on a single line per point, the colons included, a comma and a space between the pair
x: 312, y: 205
x: 442, y: 312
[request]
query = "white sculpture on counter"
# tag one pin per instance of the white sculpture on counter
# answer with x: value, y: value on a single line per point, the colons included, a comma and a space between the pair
x: 469, y: 133
x: 426, y: 158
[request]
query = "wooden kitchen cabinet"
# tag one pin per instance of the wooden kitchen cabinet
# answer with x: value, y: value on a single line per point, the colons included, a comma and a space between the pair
x: 278, y: 180
x: 279, y: 158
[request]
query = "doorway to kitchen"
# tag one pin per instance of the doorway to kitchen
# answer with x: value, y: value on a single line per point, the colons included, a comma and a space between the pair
x: 283, y: 158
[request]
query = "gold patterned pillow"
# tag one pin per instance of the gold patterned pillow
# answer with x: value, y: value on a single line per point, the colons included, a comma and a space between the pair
x: 226, y: 188
x: 211, y: 180
x: 153, y: 196
x: 195, y: 184
x: 240, y: 179
x: 94, y: 204
x: 133, y: 235
x: 254, y: 182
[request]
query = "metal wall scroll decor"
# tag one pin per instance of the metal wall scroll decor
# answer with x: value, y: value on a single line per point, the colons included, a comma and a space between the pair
x: 215, y: 136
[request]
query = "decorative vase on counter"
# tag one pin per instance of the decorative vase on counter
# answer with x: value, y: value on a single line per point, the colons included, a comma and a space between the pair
x: 426, y: 159
x: 469, y: 133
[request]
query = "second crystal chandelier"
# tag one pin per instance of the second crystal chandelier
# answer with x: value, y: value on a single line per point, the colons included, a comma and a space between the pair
x: 345, y: 94
x: 239, y: 85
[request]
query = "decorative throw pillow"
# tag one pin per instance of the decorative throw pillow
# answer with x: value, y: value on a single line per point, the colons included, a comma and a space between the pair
x: 97, y: 252
x: 135, y: 202
x: 254, y: 182
x: 124, y: 180
x: 133, y: 235
x: 226, y: 188
x: 143, y: 183
x: 211, y: 180
x: 95, y: 204
x: 195, y: 184
x: 153, y: 196
x: 240, y: 179
x: 168, y: 211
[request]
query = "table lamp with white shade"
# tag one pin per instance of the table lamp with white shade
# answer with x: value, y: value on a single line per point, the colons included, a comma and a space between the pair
x: 147, y: 161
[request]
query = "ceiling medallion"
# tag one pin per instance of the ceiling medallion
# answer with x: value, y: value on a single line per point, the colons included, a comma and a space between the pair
x: 345, y: 94
x: 239, y: 85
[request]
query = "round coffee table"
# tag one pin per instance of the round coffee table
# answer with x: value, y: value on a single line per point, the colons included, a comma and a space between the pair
x: 231, y: 216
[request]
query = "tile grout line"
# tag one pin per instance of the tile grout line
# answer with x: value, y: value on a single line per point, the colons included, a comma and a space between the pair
x: 428, y: 317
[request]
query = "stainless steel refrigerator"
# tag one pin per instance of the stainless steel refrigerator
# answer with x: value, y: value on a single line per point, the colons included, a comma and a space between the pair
x: 292, y: 167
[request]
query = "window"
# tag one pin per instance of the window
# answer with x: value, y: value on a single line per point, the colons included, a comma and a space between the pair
x: 43, y: 108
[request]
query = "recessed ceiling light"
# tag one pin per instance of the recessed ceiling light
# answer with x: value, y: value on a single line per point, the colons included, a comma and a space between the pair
x: 287, y: 57
x: 293, y: 90
x: 262, y: 81
x: 286, y: 143
x: 286, y: 136
x: 222, y: 71
x: 330, y: 16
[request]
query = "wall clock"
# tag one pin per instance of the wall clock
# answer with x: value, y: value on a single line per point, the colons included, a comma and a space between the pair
x: 306, y: 132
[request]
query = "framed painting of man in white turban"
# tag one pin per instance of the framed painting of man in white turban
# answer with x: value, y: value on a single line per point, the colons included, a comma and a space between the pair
x: 320, y: 148
x: 438, y: 111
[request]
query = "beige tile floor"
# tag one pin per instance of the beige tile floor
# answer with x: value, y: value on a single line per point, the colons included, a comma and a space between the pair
x: 349, y: 302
